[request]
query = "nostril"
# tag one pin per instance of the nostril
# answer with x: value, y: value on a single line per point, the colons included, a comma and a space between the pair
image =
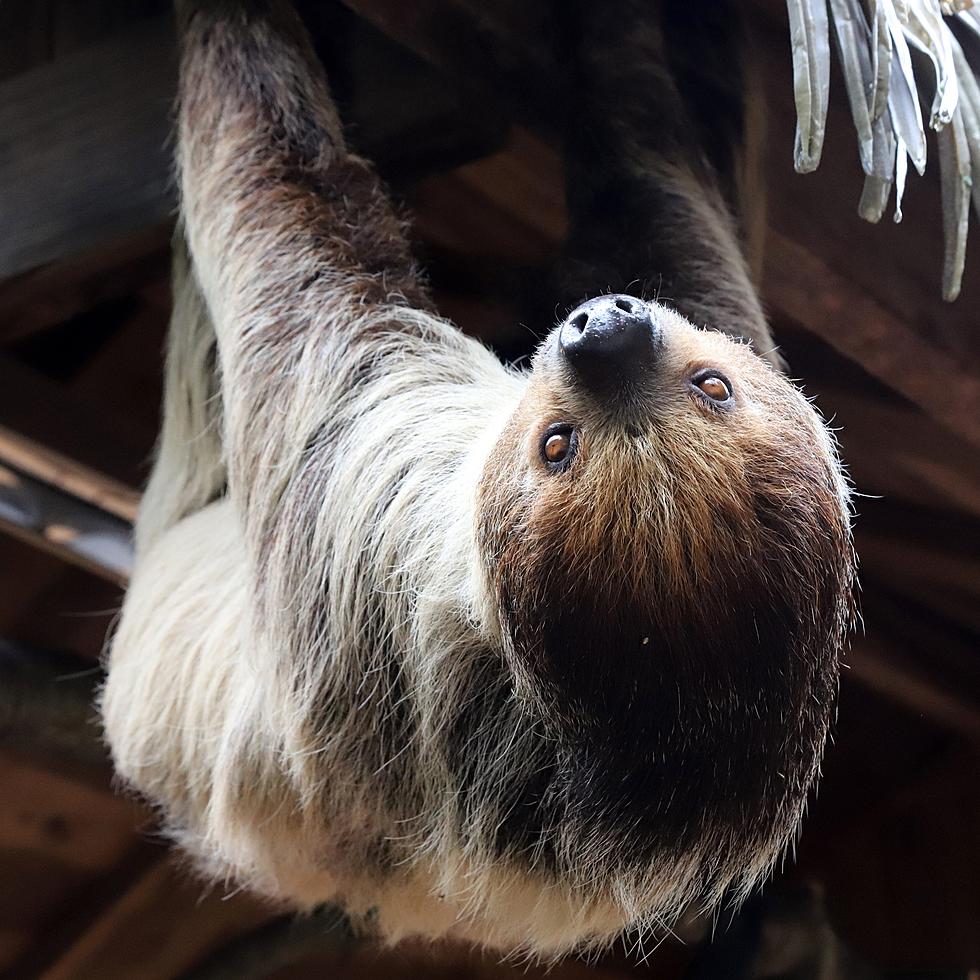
x: 579, y: 322
x: 625, y: 305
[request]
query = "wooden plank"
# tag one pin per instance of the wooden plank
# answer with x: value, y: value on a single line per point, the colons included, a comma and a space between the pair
x: 58, y: 522
x: 60, y: 834
x: 32, y: 890
x: 507, y: 205
x: 74, y: 478
x: 875, y: 666
x: 931, y: 566
x: 41, y: 410
x: 64, y: 819
x: 901, y: 873
x: 66, y: 508
x: 158, y: 929
x: 76, y: 907
x: 804, y: 288
x: 53, y: 294
x: 507, y: 57
x: 397, y: 109
x: 83, y: 153
x: 122, y: 373
x: 900, y: 453
x: 899, y: 617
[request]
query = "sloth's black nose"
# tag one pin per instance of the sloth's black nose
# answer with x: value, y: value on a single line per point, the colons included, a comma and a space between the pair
x: 610, y: 339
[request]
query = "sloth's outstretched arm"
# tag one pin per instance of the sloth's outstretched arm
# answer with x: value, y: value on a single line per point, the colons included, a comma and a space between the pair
x: 653, y: 148
x: 295, y: 246
x: 253, y: 683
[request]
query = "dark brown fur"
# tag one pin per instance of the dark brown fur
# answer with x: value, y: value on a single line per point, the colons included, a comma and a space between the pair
x: 677, y: 600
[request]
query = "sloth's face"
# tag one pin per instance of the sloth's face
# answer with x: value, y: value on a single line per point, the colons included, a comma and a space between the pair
x: 666, y: 533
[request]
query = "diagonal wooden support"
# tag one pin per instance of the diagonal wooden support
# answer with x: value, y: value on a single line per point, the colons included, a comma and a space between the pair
x: 799, y: 285
x: 65, y: 508
x: 84, y: 147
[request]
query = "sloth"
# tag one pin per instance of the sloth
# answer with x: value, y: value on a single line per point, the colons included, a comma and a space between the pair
x: 526, y: 658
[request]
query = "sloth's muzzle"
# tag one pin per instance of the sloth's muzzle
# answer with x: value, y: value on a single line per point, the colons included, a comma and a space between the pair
x: 611, y: 341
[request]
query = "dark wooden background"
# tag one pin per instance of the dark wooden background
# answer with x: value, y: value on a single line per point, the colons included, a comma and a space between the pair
x: 440, y: 93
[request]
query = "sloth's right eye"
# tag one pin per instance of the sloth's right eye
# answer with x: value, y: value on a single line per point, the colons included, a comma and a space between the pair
x: 558, y: 447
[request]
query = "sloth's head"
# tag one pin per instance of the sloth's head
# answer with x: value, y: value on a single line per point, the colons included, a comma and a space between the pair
x: 665, y: 527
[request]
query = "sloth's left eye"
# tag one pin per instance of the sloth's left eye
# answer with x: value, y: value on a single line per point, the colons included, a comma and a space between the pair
x: 714, y: 385
x: 558, y: 447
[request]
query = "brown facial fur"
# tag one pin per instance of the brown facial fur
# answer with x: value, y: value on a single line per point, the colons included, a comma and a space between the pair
x: 674, y: 604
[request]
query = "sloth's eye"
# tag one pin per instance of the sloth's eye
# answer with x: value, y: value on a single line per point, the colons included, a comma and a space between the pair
x: 558, y: 446
x: 714, y: 385
x: 715, y: 388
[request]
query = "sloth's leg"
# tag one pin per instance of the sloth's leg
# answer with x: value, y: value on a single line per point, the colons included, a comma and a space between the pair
x: 652, y: 149
x: 296, y: 249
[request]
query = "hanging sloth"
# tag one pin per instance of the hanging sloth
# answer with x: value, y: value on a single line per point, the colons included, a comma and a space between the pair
x: 525, y: 658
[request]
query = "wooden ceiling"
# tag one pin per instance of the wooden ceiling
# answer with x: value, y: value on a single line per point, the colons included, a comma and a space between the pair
x: 451, y: 98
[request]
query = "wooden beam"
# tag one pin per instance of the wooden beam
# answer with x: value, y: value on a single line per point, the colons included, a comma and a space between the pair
x: 42, y: 411
x: 509, y: 205
x: 499, y: 50
x: 897, y: 451
x: 875, y: 666
x: 66, y: 508
x: 81, y: 905
x: 804, y: 288
x: 62, y: 817
x: 85, y: 154
x: 42, y: 298
x: 48, y: 518
x: 160, y: 927
x: 931, y: 566
x: 86, y: 157
x: 67, y: 475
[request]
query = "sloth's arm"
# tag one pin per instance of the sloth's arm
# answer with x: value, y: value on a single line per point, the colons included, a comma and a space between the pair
x: 650, y: 155
x: 296, y: 247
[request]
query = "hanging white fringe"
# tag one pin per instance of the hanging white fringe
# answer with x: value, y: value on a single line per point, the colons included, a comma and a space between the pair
x: 873, y: 39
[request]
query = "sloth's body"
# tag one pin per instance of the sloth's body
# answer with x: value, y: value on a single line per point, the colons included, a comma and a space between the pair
x: 523, y: 658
